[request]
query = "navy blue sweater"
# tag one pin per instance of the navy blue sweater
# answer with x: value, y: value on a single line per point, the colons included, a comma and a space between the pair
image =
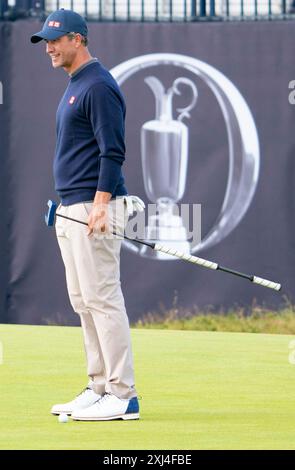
x: 90, y: 146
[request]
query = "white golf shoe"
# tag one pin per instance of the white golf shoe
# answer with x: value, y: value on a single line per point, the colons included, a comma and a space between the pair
x: 109, y: 407
x: 85, y: 399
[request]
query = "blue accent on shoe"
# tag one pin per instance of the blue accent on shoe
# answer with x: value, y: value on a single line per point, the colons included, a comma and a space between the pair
x: 133, y: 406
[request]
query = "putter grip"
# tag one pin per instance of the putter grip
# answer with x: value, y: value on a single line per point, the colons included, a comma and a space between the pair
x: 186, y: 257
x: 266, y: 283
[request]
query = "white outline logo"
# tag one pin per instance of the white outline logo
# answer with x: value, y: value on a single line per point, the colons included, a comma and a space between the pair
x: 291, y: 96
x: 243, y: 143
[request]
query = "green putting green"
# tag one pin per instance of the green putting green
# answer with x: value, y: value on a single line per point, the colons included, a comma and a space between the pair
x: 199, y: 390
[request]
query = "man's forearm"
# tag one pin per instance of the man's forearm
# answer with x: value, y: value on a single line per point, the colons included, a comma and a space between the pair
x: 101, y: 197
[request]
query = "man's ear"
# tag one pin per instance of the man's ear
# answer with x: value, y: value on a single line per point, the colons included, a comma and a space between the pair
x: 78, y: 40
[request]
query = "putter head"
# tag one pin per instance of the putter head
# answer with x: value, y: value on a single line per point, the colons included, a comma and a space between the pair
x: 49, y: 217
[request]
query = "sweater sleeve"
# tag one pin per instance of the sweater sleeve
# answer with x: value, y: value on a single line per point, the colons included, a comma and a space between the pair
x: 106, y: 111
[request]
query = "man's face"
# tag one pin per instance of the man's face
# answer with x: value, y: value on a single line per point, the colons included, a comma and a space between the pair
x: 62, y: 51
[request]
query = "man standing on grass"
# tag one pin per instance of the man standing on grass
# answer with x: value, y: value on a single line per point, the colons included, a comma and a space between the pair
x: 90, y: 151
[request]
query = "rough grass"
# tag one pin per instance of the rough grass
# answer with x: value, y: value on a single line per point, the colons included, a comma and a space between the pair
x: 254, y: 320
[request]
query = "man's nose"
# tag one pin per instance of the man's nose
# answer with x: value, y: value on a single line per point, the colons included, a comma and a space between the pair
x: 49, y: 48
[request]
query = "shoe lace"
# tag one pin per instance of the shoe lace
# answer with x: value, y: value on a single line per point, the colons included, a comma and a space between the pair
x: 82, y: 393
x: 103, y: 399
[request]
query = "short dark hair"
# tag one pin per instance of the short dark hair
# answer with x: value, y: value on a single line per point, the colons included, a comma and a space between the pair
x: 84, y: 39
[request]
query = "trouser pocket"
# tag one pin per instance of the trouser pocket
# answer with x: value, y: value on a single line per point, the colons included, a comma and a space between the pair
x: 60, y: 223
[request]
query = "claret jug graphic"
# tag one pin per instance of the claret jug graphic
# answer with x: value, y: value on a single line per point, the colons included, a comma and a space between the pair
x: 164, y: 153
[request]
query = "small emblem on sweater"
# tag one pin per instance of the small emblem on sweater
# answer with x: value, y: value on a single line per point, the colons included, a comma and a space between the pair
x: 72, y: 99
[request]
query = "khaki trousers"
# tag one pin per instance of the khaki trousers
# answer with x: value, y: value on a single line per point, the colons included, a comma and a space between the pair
x: 92, y: 268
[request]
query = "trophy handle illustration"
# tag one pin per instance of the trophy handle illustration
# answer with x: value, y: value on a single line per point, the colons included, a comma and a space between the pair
x: 164, y: 153
x: 242, y: 137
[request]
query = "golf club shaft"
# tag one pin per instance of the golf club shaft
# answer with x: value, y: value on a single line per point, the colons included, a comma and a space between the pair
x: 211, y: 265
x: 151, y: 245
x: 194, y: 259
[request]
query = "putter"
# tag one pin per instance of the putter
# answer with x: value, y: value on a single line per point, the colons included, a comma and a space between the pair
x: 50, y: 217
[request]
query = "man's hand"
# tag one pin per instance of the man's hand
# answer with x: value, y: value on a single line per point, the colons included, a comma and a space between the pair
x: 98, y: 219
